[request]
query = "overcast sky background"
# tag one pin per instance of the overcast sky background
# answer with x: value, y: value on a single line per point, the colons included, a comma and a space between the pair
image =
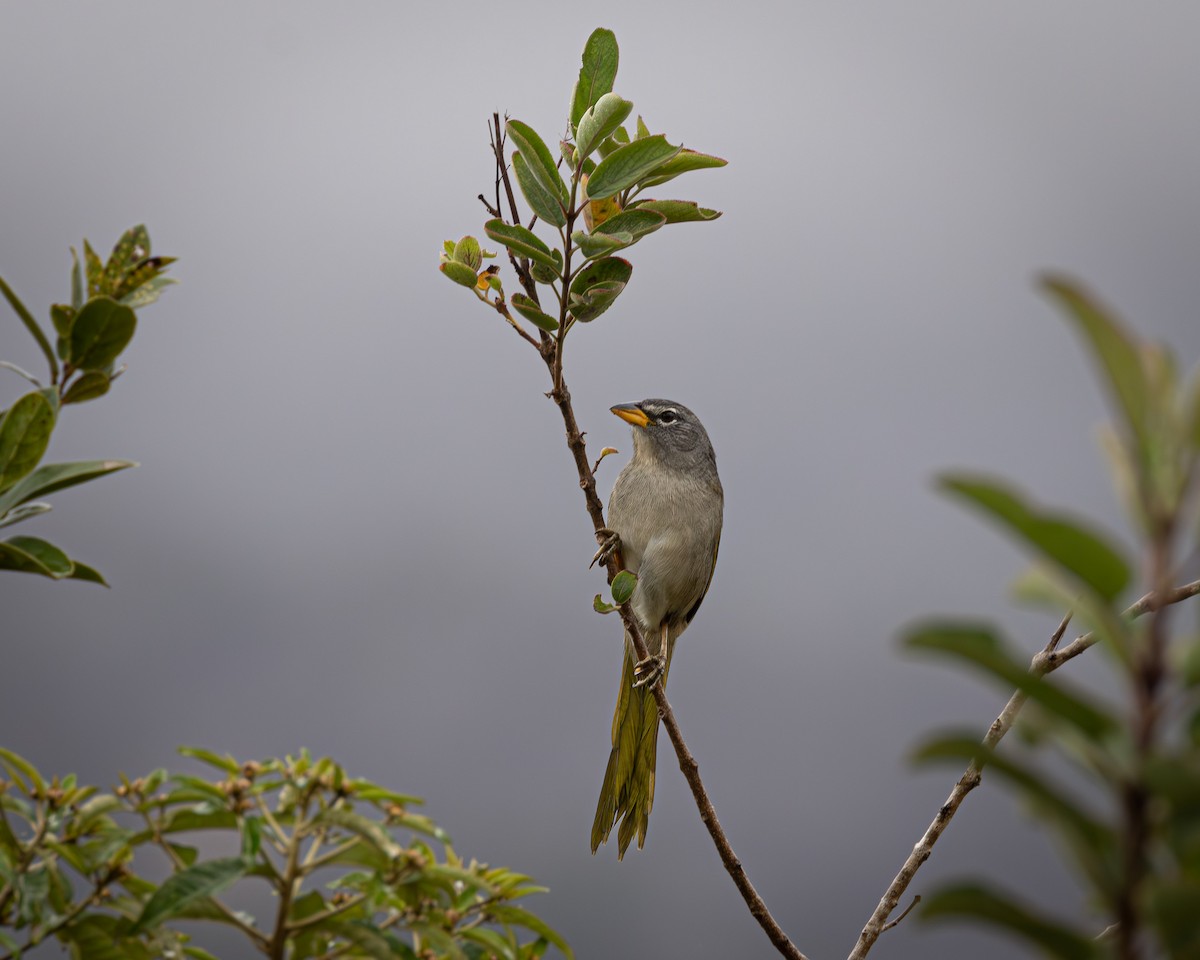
x: 356, y: 526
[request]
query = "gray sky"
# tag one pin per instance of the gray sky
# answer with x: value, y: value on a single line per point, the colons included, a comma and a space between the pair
x: 356, y: 525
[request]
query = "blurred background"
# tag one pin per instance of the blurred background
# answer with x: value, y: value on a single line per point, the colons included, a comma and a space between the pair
x: 356, y: 526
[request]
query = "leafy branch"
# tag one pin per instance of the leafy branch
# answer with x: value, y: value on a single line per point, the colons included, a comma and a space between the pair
x: 91, y: 333
x: 379, y: 888
x: 1141, y: 866
x: 609, y: 169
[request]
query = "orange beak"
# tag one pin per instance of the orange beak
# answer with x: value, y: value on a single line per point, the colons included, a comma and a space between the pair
x: 631, y: 413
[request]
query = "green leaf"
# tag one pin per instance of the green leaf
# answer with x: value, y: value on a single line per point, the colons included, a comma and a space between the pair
x: 600, y: 606
x: 623, y: 586
x: 369, y: 940
x: 25, y: 432
x: 134, y: 245
x: 637, y: 221
x: 539, y: 159
x: 52, y: 477
x: 46, y: 558
x: 596, y: 73
x: 369, y: 830
x: 17, y: 514
x: 642, y: 130
x: 148, y: 292
x: 543, y: 202
x: 624, y: 167
x: 976, y: 645
x: 95, y: 271
x: 140, y: 274
x: 76, y: 282
x: 593, y: 301
x: 227, y: 762
x: 18, y: 767
x: 991, y: 906
x: 529, y: 309
x: 468, y: 251
x: 186, y: 854
x: 421, y: 824
x: 459, y: 272
x: 1055, y: 536
x: 101, y: 331
x: 191, y: 818
x: 677, y: 211
x: 1114, y: 348
x: 89, y: 386
x: 522, y: 242
x: 251, y: 837
x: 372, y: 792
x: 593, y: 245
x: 96, y: 936
x: 1172, y: 903
x: 545, y: 274
x: 686, y: 161
x: 516, y: 916
x: 62, y: 317
x: 187, y: 886
x: 597, y: 285
x: 494, y: 944
x: 600, y: 121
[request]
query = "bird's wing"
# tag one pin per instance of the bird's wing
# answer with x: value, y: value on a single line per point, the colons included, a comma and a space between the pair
x: 711, y: 570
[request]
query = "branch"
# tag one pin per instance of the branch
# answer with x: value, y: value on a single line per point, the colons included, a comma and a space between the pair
x: 1044, y: 661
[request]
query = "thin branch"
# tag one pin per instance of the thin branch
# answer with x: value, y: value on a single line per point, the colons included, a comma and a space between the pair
x: 327, y: 914
x: 907, y: 911
x: 292, y: 877
x: 487, y: 206
x: 502, y: 308
x: 1045, y: 661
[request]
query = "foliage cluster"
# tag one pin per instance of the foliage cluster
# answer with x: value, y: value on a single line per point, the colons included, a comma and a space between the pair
x: 1127, y: 817
x: 354, y: 870
x: 599, y: 209
x: 91, y: 332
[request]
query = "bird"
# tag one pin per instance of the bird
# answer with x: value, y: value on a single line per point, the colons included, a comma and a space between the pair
x: 664, y: 525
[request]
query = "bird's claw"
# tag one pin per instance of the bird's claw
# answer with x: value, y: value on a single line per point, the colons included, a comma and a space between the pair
x: 609, y: 541
x: 647, y: 672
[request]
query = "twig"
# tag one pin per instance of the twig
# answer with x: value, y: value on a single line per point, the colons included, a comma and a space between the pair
x: 600, y: 459
x: 488, y: 207
x: 907, y: 911
x: 1045, y: 661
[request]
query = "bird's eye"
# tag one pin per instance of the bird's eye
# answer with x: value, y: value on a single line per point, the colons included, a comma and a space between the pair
x: 668, y: 416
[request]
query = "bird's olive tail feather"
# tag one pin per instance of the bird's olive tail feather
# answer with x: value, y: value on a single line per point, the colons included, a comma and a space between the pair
x: 627, y: 793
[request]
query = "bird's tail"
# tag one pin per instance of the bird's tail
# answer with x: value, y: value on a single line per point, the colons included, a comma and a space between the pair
x: 628, y: 790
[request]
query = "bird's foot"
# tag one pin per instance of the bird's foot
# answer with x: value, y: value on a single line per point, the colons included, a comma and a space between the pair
x: 648, y: 672
x: 609, y: 542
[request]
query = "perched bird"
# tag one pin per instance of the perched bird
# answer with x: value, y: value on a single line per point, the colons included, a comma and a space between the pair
x: 664, y: 520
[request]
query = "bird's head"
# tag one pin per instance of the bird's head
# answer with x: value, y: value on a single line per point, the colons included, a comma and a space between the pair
x: 668, y: 432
